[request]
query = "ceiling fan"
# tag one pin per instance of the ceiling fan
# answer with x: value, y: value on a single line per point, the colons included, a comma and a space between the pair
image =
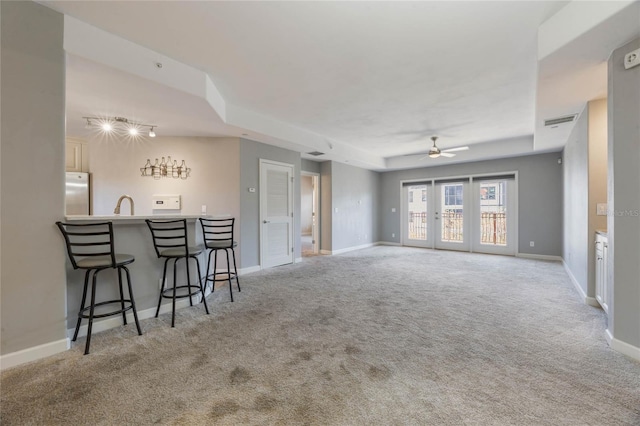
x: 436, y: 152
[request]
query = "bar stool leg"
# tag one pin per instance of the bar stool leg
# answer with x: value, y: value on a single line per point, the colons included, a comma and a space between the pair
x: 173, y: 303
x: 235, y: 268
x: 133, y: 303
x: 84, y: 299
x: 206, y: 277
x: 164, y: 280
x: 124, y: 314
x: 91, y: 309
x: 186, y: 261
x: 215, y: 269
x: 229, y: 273
x: 206, y: 308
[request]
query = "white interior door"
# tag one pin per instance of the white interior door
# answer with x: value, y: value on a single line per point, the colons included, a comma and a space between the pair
x: 495, y: 216
x: 417, y: 215
x: 452, y: 215
x: 276, y: 213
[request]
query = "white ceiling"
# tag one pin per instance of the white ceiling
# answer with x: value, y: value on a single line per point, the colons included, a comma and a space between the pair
x: 372, y: 78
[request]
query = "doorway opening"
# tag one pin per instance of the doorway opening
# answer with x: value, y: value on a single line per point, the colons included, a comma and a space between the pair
x: 310, y: 213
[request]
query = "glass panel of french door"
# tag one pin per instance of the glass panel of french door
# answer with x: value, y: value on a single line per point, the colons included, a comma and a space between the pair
x: 451, y: 223
x: 495, y: 216
x: 417, y: 202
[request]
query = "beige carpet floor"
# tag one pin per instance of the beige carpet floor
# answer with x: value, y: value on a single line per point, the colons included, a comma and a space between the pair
x: 384, y: 336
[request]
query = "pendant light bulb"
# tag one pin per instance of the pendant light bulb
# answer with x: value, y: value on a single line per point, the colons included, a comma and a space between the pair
x: 152, y: 134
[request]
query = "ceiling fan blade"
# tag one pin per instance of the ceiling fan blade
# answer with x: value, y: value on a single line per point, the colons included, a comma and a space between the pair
x: 460, y: 148
x: 447, y: 154
x: 422, y: 158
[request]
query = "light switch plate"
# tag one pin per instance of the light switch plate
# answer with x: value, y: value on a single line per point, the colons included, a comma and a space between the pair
x: 601, y: 209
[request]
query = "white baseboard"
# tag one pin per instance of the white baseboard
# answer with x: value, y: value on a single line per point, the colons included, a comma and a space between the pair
x: 588, y: 300
x: 34, y: 353
x: 539, y: 257
x: 348, y: 249
x: 387, y: 243
x: 249, y: 270
x: 622, y: 347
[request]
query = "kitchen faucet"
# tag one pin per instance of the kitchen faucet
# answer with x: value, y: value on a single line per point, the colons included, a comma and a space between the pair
x: 117, y: 209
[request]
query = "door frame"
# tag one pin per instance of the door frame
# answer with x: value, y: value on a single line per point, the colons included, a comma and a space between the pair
x: 291, y: 201
x: 315, y: 227
x: 470, y: 177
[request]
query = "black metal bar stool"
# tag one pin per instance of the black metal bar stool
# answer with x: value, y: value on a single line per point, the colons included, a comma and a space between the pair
x: 218, y: 235
x: 90, y: 247
x: 171, y: 243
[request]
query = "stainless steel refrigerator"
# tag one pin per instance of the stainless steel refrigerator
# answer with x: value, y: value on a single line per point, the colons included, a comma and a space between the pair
x: 77, y: 194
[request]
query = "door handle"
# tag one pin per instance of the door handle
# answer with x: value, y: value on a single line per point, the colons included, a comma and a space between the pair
x: 266, y: 221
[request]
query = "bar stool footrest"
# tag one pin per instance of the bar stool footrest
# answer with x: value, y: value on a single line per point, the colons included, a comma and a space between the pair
x: 127, y: 302
x: 224, y: 276
x: 168, y: 292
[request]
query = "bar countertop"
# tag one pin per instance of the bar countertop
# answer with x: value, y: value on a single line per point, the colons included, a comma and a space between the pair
x: 136, y: 218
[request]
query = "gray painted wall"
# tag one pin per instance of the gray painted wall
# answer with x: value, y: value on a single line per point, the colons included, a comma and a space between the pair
x: 539, y: 198
x: 326, y: 208
x: 575, y: 249
x: 32, y: 176
x: 355, y: 194
x: 310, y: 166
x: 251, y: 153
x: 623, y: 224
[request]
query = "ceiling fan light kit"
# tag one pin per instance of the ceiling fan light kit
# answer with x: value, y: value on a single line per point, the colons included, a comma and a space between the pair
x: 436, y: 152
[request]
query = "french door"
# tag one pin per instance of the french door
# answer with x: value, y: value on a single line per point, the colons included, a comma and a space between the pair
x: 452, y: 216
x: 470, y: 214
x: 418, y: 227
x: 494, y: 216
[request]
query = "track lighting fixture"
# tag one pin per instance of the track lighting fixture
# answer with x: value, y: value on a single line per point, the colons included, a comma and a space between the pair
x: 119, y: 125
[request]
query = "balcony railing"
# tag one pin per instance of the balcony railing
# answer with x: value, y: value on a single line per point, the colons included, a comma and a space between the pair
x: 493, y: 227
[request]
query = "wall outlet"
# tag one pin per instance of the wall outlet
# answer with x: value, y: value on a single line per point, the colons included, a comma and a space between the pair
x: 204, y: 209
x: 393, y: 209
x: 532, y: 244
x: 335, y: 210
x: 393, y: 235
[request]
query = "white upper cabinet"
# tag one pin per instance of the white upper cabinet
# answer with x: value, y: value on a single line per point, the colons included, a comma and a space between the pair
x: 76, y: 155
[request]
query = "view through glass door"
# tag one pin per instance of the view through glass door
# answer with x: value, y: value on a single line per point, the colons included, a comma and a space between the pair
x: 495, y: 216
x: 417, y: 228
x: 451, y: 211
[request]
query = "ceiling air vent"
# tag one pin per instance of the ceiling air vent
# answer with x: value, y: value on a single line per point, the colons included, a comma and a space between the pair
x: 560, y: 120
x: 315, y: 153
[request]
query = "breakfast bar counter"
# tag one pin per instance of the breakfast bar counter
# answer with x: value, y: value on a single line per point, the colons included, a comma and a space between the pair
x: 132, y: 236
